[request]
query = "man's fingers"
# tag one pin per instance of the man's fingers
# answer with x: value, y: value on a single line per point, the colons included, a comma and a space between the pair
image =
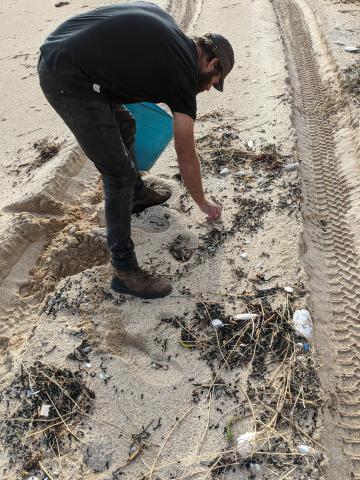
x: 214, y: 214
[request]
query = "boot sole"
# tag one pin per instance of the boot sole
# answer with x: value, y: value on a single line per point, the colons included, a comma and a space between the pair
x: 119, y: 288
x: 141, y: 209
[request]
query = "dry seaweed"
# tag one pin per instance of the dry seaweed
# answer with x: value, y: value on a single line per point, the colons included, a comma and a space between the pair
x: 179, y: 248
x: 28, y: 432
x: 46, y: 149
x: 249, y: 217
x: 217, y: 151
x: 352, y: 80
x: 290, y: 200
x: 211, y: 241
x: 283, y: 394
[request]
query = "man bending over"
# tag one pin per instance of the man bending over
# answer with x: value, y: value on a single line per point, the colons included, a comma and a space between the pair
x: 97, y: 61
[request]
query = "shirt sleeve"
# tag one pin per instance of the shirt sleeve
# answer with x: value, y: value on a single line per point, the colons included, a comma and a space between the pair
x: 184, y: 101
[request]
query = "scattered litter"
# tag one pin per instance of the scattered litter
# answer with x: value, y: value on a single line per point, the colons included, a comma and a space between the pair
x: 306, y: 450
x: 306, y: 347
x: 71, y: 400
x: 251, y: 144
x: 246, y: 443
x: 303, y: 323
x: 288, y: 289
x: 290, y: 167
x: 30, y: 392
x: 224, y: 171
x: 352, y: 49
x: 246, y: 316
x: 88, y: 365
x: 61, y: 4
x: 159, y: 366
x: 44, y: 410
x: 217, y: 323
x: 243, y: 255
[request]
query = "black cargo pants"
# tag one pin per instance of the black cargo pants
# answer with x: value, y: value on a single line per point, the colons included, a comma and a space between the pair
x: 106, y: 133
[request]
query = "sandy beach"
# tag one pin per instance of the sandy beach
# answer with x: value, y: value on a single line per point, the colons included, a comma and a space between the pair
x: 214, y: 381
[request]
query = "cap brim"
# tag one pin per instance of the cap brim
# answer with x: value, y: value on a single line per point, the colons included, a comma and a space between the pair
x: 220, y: 86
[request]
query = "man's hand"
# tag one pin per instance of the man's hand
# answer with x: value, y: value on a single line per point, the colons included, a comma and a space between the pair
x: 212, y: 210
x: 190, y: 166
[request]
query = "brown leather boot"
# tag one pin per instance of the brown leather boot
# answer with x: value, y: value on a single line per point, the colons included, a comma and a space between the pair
x: 139, y: 283
x: 149, y: 198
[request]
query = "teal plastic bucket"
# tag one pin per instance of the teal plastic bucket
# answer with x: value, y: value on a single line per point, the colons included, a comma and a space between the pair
x: 154, y: 130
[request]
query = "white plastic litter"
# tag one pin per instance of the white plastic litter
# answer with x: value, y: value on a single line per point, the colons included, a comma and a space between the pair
x: 306, y: 450
x: 44, y: 410
x: 243, y: 255
x: 290, y: 167
x: 352, y: 49
x: 224, y: 171
x: 250, y: 143
x: 241, y: 173
x: 303, y: 323
x: 217, y: 323
x: 255, y: 468
x: 246, y: 316
x: 288, y: 289
x: 88, y: 365
x: 246, y: 443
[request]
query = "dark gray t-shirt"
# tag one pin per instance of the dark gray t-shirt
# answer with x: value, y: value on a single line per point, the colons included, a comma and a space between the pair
x: 135, y: 52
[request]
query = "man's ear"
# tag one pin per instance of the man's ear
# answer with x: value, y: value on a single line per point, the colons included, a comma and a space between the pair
x: 213, y: 63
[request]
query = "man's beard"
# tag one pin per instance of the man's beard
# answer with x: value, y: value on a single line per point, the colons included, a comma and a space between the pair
x: 204, y: 79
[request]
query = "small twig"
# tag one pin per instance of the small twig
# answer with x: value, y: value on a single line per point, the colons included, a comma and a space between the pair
x: 30, y: 131
x: 33, y: 434
x: 197, y: 448
x: 45, y: 471
x: 288, y: 473
x: 150, y: 474
x: 63, y: 421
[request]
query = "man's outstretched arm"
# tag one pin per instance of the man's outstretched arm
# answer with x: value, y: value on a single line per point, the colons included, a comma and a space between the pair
x: 189, y: 164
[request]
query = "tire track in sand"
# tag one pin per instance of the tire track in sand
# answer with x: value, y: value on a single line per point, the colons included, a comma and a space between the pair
x: 185, y: 12
x: 330, y: 182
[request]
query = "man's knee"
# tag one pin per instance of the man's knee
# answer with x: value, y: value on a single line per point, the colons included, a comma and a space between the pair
x: 120, y: 183
x: 127, y: 126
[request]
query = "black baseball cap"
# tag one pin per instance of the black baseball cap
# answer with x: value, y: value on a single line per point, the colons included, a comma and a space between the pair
x: 222, y: 49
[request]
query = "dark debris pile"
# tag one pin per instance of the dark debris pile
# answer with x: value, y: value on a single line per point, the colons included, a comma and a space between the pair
x: 352, y: 76
x: 283, y: 386
x: 179, y: 248
x: 249, y: 217
x: 240, y: 341
x: 46, y: 149
x: 290, y: 199
x: 211, y: 241
x: 51, y: 402
x: 217, y: 151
